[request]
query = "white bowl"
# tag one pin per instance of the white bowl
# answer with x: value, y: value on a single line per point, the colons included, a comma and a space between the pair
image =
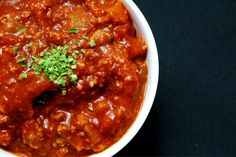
x: 143, y: 28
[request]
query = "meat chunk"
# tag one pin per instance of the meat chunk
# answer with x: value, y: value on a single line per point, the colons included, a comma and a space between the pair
x: 32, y: 134
x: 136, y: 48
x: 68, y: 16
x: 3, y: 119
x: 121, y: 32
x: 102, y: 36
x: 12, y: 25
x: 79, y: 18
x: 14, y: 21
x: 99, y: 7
x: 18, y: 97
x: 5, y: 137
x: 118, y: 13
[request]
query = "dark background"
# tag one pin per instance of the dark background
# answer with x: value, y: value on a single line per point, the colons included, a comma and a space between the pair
x: 194, y: 113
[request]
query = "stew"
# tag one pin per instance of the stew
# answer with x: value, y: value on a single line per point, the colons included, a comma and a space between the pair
x: 72, y: 76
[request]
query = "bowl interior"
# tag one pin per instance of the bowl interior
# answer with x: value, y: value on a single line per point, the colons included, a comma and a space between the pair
x: 143, y: 28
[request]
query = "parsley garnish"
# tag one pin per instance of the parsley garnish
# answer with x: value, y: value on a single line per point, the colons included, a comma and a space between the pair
x: 30, y: 44
x: 23, y: 76
x: 24, y: 65
x: 85, y: 37
x: 73, y: 30
x: 40, y: 43
x: 23, y: 30
x: 15, y: 50
x: 21, y: 60
x: 73, y: 78
x: 56, y: 64
x: 71, y: 42
x: 79, y: 44
x: 92, y: 43
x: 63, y: 91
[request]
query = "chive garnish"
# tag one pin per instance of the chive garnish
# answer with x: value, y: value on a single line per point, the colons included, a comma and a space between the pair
x: 40, y: 43
x: 85, y: 37
x: 30, y: 44
x: 15, y: 50
x: 42, y: 54
x: 21, y: 60
x: 73, y: 78
x: 23, y: 30
x: 73, y: 30
x: 73, y: 67
x: 71, y: 42
x: 92, y: 43
x: 79, y: 44
x: 63, y: 91
x: 75, y: 54
x: 23, y: 75
x: 24, y: 65
x: 56, y: 64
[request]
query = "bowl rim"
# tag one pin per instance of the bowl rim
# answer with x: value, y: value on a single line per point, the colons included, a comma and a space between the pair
x: 143, y: 28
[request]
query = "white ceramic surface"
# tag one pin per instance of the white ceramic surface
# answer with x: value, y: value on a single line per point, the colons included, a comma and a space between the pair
x: 143, y: 28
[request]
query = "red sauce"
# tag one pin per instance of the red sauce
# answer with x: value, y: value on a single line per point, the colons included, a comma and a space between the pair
x: 36, y: 120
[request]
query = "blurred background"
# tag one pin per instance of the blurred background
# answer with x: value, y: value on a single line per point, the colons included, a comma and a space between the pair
x: 194, y: 113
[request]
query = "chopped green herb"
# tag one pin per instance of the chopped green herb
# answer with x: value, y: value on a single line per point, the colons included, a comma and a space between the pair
x: 15, y: 50
x: 56, y: 64
x: 92, y: 43
x: 85, y: 37
x: 61, y: 81
x: 79, y: 44
x: 71, y: 42
x: 73, y: 30
x: 23, y: 75
x: 21, y: 60
x: 42, y: 54
x: 40, y: 43
x: 33, y: 57
x: 75, y: 54
x: 63, y: 91
x: 73, y: 78
x: 37, y: 72
x: 73, y: 67
x: 24, y: 65
x: 30, y: 44
x: 23, y: 30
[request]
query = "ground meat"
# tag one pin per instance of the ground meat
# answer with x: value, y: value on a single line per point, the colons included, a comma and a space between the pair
x: 73, y: 76
x: 32, y: 134
x: 5, y: 137
x: 20, y: 93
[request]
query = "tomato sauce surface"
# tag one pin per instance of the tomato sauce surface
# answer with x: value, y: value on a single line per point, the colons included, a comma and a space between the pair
x: 45, y: 113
